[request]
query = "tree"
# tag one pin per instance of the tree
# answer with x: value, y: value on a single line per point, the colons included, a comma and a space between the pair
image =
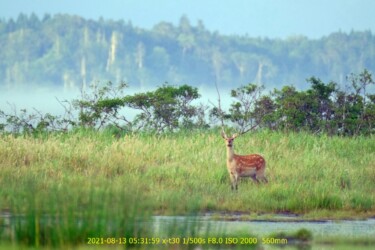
x: 241, y: 111
x: 356, y: 109
x: 322, y: 95
x: 100, y: 106
x: 168, y: 108
x: 264, y: 112
x: 293, y: 109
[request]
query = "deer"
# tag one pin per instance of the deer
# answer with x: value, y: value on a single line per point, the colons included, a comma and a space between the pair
x: 252, y: 165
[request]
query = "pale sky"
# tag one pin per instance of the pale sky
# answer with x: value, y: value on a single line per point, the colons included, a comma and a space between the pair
x: 256, y: 18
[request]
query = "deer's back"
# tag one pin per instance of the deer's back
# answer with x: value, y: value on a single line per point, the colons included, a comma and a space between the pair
x: 250, y: 161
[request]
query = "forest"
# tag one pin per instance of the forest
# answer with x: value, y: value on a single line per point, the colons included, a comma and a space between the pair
x: 70, y: 51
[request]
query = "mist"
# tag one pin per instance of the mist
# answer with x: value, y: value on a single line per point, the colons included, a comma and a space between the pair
x: 44, y: 100
x: 51, y: 100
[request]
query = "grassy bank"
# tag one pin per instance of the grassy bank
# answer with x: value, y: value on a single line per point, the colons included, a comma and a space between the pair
x: 96, y: 184
x: 186, y: 172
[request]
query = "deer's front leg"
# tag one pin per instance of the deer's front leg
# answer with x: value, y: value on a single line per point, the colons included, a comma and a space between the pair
x: 233, y: 180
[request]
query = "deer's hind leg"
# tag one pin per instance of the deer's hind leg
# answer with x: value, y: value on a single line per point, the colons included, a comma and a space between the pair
x: 264, y: 179
x: 261, y: 176
x: 254, y: 177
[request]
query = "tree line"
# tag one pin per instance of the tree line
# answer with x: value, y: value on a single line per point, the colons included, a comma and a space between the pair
x: 73, y: 51
x: 323, y: 108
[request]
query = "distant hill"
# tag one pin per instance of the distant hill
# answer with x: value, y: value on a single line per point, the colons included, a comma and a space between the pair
x: 72, y: 51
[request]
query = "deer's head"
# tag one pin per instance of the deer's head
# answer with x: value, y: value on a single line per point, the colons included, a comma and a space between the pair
x: 228, y: 140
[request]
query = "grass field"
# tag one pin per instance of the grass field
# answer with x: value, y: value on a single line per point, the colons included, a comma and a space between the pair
x: 93, y: 183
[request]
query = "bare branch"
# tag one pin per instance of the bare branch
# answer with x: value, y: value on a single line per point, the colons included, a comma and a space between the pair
x: 249, y: 129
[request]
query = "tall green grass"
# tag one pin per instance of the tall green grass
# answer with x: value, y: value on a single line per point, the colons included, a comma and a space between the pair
x: 64, y: 188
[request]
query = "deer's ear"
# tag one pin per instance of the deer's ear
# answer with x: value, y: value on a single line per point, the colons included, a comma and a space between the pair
x: 223, y: 135
x: 234, y: 136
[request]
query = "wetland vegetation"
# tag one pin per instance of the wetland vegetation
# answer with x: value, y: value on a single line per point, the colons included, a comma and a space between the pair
x: 95, y: 177
x: 94, y: 174
x: 62, y: 188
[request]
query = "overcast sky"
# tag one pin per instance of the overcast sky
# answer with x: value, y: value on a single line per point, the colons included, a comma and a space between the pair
x: 256, y: 18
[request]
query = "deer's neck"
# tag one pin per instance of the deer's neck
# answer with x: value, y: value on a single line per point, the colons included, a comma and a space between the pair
x: 230, y: 153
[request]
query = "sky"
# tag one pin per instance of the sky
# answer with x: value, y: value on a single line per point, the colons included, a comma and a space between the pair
x: 255, y: 18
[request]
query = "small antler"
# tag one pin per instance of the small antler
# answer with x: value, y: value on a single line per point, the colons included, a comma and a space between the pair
x: 221, y: 115
x: 220, y: 112
x: 249, y: 129
x: 223, y: 133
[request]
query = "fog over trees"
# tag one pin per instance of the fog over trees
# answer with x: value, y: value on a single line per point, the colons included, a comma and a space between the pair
x: 70, y: 51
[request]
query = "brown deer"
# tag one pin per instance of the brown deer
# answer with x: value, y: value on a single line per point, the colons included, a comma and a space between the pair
x: 252, y: 165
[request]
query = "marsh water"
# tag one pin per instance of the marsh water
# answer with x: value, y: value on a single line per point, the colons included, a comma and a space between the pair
x: 287, y: 224
x: 263, y: 229
x: 259, y: 228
